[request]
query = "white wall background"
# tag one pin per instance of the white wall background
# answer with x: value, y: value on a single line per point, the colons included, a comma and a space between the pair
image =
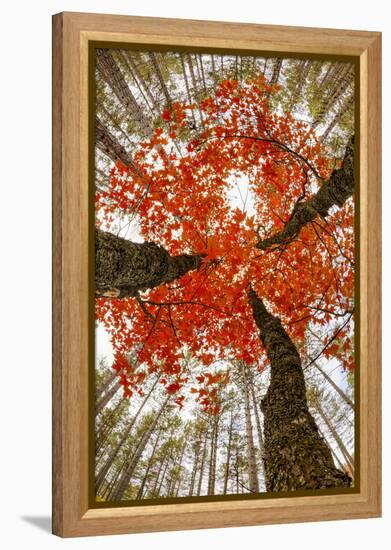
x: 25, y: 229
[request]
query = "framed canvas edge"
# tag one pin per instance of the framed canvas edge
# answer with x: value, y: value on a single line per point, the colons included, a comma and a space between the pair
x: 71, y: 513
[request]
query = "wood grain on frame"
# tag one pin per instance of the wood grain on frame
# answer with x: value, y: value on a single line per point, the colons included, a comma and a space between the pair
x: 71, y: 34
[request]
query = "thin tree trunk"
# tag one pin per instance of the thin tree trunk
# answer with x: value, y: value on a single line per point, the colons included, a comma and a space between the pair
x: 334, y: 192
x: 149, y: 466
x: 195, y: 466
x: 348, y: 102
x: 127, y: 475
x: 251, y: 460
x: 159, y: 75
x: 340, y: 89
x: 112, y: 74
x: 347, y: 456
x: 105, y: 384
x: 212, y: 459
x: 164, y: 474
x: 259, y: 430
x: 123, y: 268
x: 109, y: 145
x: 157, y: 478
x: 137, y: 75
x: 341, y: 393
x: 228, y: 459
x: 106, y: 467
x: 296, y: 456
x: 107, y: 397
x: 201, y: 476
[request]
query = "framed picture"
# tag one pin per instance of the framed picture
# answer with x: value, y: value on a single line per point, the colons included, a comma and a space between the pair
x: 216, y: 233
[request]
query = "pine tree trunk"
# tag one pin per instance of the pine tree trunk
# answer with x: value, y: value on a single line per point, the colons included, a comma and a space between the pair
x: 348, y: 102
x: 212, y: 459
x: 345, y: 453
x: 107, y: 397
x: 228, y: 459
x: 127, y: 475
x: 105, y: 384
x: 202, y: 468
x: 123, y: 268
x: 296, y: 456
x: 106, y: 467
x: 197, y: 453
x: 341, y: 393
x: 149, y: 466
x: 109, y: 145
x: 103, y: 432
x: 259, y: 430
x: 252, y: 464
x: 157, y: 478
x: 164, y: 475
x: 112, y: 74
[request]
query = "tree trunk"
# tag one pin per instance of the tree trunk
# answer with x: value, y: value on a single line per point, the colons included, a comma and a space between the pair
x: 334, y: 192
x: 345, y: 453
x: 341, y: 393
x: 149, y: 466
x: 106, y: 467
x: 111, y: 73
x: 163, y: 475
x: 201, y: 476
x: 348, y: 102
x: 213, y: 457
x: 159, y: 75
x: 228, y: 460
x: 259, y: 430
x: 251, y: 460
x: 124, y: 268
x: 109, y: 145
x: 197, y: 452
x: 105, y: 384
x: 157, y: 478
x: 128, y: 473
x: 296, y: 456
x: 107, y: 397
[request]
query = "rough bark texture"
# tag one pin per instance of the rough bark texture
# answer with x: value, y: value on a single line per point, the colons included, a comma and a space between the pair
x: 296, y: 456
x: 112, y: 74
x: 109, y: 146
x: 123, y: 268
x: 334, y: 192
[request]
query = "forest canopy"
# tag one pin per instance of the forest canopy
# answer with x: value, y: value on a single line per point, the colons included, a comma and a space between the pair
x: 225, y: 256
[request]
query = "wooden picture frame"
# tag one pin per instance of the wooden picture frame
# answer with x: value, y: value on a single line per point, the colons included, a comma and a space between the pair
x: 72, y: 514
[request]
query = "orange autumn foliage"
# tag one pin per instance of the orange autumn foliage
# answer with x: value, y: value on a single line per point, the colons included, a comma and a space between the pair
x: 182, y: 195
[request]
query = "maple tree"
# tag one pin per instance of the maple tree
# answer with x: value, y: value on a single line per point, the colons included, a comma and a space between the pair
x: 283, y: 256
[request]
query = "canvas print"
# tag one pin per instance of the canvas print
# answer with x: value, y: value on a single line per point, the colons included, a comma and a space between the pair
x: 224, y: 266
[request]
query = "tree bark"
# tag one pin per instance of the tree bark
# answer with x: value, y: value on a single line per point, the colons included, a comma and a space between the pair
x: 334, y: 192
x: 251, y: 460
x: 112, y: 74
x: 296, y: 456
x: 123, y: 268
x: 109, y: 145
